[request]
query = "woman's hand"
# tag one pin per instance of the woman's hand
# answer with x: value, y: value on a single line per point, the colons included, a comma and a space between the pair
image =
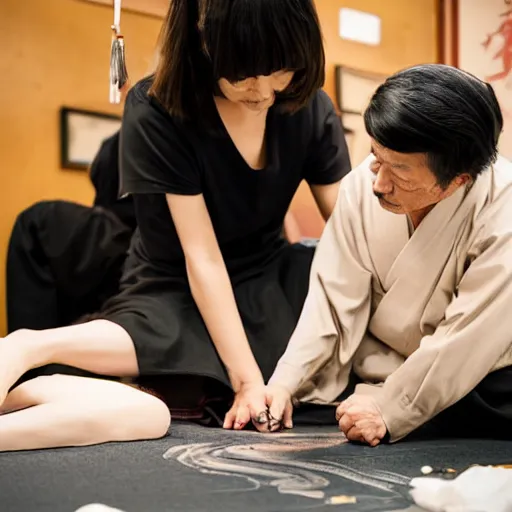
x: 269, y: 407
x: 279, y: 411
x: 250, y: 402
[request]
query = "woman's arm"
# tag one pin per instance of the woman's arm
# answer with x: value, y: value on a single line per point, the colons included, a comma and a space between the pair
x: 338, y: 272
x: 211, y: 288
x: 291, y: 228
x: 325, y: 198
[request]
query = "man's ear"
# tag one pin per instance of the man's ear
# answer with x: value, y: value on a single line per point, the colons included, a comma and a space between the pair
x: 462, y: 179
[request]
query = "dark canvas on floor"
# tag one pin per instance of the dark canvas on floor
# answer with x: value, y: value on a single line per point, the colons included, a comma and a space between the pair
x: 135, y: 477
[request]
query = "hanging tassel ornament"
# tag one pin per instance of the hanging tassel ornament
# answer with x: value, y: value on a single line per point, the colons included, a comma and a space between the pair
x: 118, y: 72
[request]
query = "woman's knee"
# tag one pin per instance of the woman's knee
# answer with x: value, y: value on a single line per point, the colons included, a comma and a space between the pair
x: 155, y: 415
x: 131, y: 414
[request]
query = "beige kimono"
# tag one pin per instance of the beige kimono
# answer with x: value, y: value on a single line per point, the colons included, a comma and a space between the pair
x: 422, y: 318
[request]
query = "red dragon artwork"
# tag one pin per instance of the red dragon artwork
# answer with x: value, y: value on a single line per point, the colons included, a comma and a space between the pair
x: 505, y: 52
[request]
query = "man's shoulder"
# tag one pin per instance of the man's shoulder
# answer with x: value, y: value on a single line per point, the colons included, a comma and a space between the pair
x: 501, y: 177
x: 494, y: 220
x: 357, y: 183
x: 500, y: 190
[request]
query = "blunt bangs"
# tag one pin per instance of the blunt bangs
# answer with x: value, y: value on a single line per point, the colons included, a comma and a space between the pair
x: 260, y: 37
x: 203, y: 41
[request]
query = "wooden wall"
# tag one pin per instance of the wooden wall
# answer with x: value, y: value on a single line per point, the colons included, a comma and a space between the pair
x: 56, y: 52
x: 409, y: 36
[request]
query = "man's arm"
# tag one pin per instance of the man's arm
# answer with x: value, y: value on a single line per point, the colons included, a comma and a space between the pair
x: 473, y: 336
x: 336, y: 311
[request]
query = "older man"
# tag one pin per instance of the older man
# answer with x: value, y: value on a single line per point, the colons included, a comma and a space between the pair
x: 411, y: 287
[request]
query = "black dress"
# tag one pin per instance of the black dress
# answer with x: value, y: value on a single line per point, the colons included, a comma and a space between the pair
x: 162, y: 155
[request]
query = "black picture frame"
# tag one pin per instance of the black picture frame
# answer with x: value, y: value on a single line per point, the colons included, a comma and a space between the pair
x: 354, y: 88
x: 368, y: 81
x: 81, y: 134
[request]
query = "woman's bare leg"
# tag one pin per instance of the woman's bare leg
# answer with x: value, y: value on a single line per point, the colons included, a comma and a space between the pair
x: 99, y: 346
x: 63, y: 410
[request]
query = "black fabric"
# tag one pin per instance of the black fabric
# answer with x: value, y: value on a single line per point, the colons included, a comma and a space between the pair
x: 64, y: 260
x: 104, y: 174
x: 160, y: 154
x: 207, y: 400
x: 484, y: 412
x: 170, y: 337
x: 135, y: 477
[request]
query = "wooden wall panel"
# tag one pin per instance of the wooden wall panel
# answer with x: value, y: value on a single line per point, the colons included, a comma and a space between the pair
x: 56, y: 52
x: 157, y: 8
x: 409, y: 36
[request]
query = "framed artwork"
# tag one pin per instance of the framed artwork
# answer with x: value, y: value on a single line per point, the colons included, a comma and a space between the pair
x: 477, y: 37
x: 81, y: 135
x: 157, y: 8
x: 354, y: 89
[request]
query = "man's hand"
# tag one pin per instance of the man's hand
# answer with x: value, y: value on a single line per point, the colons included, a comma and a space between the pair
x: 360, y: 419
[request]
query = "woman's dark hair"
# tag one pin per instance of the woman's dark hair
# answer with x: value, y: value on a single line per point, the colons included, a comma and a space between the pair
x: 205, y: 40
x: 449, y: 114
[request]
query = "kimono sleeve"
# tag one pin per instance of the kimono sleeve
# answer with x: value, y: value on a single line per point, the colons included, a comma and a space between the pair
x: 335, y: 315
x: 328, y: 158
x: 156, y: 156
x: 466, y: 346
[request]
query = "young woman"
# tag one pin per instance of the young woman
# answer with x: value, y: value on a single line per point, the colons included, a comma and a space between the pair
x: 213, y: 148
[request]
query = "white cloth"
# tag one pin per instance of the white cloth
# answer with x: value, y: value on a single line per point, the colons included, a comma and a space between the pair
x: 97, y: 507
x: 478, y: 489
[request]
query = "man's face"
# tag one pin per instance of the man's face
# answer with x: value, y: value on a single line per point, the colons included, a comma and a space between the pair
x: 404, y: 184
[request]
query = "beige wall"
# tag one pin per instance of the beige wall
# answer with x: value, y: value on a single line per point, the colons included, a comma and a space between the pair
x: 478, y: 20
x: 409, y: 36
x: 56, y: 52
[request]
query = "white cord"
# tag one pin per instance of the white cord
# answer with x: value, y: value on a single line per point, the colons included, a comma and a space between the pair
x: 117, y: 15
x: 118, y: 75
